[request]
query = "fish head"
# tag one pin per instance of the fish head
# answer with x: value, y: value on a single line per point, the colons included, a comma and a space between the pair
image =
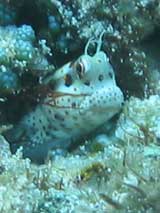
x: 89, y: 83
x: 83, y: 95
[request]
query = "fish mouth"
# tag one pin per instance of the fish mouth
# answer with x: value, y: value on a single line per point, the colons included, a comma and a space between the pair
x: 53, y: 97
x: 61, y: 94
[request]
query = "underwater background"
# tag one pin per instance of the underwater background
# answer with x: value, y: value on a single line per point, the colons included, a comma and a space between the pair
x: 116, y: 168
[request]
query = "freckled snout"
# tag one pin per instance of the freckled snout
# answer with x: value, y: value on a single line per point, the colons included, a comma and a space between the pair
x: 103, y: 99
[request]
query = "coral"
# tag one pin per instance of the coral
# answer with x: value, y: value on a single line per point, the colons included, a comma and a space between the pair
x: 124, y: 20
x: 9, y: 81
x: 18, y: 55
x: 67, y: 25
x: 123, y: 176
x: 117, y: 179
x: 127, y: 25
x: 17, y: 48
x: 23, y: 63
x: 16, y: 182
x: 140, y: 121
x: 107, y: 174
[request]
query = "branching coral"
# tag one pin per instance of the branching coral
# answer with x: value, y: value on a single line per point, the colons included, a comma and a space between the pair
x: 19, y: 55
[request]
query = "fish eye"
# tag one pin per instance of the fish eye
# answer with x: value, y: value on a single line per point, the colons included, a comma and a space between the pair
x: 80, y: 69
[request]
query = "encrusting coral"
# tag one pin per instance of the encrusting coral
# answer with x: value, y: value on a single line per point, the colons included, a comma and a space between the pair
x: 140, y: 120
x: 120, y: 178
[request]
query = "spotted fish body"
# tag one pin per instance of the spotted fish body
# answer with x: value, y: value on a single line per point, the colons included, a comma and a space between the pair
x: 85, y: 96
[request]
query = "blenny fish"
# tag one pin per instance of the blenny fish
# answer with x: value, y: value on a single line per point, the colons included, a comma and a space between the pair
x: 84, y: 97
